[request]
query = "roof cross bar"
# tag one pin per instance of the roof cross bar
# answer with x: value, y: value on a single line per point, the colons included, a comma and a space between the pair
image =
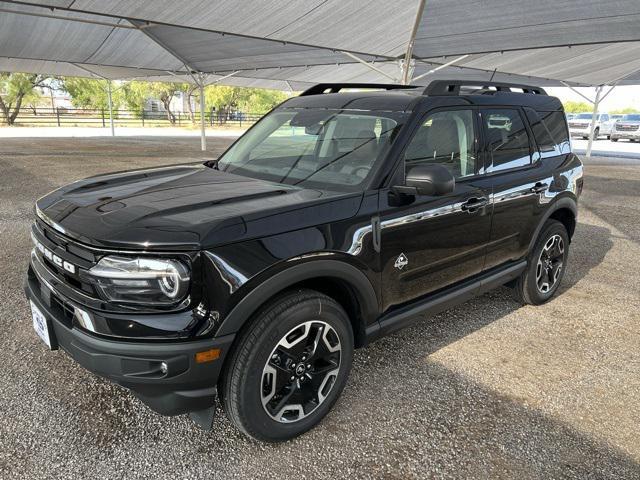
x: 321, y: 88
x: 452, y: 87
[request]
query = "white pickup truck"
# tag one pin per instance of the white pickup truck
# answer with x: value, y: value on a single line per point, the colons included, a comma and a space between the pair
x: 580, y: 125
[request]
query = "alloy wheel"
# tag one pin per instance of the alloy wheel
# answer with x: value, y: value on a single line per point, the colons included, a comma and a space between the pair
x: 300, y: 371
x: 550, y: 264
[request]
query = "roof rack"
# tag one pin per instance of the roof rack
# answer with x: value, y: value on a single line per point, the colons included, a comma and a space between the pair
x: 452, y: 87
x: 321, y: 88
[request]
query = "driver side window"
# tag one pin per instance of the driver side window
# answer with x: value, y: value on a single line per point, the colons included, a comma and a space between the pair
x: 445, y: 138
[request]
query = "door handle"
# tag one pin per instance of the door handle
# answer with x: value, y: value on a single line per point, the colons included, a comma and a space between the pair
x: 539, y: 188
x: 474, y: 204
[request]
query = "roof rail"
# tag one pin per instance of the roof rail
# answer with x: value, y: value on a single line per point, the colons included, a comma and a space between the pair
x: 452, y: 87
x: 321, y: 88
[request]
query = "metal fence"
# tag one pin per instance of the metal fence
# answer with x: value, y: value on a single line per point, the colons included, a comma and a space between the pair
x: 83, y: 117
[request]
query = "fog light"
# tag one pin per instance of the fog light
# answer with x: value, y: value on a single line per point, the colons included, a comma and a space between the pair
x: 164, y: 368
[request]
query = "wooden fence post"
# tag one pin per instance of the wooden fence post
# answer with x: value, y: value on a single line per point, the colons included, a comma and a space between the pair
x: 102, y: 111
x: 58, y: 115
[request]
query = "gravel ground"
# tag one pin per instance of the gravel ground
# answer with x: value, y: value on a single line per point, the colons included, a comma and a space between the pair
x: 487, y: 390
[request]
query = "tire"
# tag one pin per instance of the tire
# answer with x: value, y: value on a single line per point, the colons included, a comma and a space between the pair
x: 614, y: 139
x: 608, y: 137
x: 596, y: 134
x: 530, y: 287
x: 257, y: 379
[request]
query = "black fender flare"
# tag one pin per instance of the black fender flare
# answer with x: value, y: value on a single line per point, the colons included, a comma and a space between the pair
x: 563, y: 202
x: 362, y: 288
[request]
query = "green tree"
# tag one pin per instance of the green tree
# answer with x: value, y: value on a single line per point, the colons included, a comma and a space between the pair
x: 251, y: 100
x: 14, y: 87
x: 626, y: 110
x: 260, y: 100
x: 91, y: 93
x: 577, y: 107
x: 137, y: 93
x: 36, y: 99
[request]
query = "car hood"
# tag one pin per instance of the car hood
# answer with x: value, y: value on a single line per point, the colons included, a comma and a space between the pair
x: 185, y: 207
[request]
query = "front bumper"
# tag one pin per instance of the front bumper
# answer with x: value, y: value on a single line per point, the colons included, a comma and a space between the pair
x: 186, y: 386
x: 632, y: 135
x: 579, y: 132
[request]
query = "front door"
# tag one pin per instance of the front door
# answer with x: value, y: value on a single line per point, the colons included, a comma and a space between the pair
x: 428, y: 243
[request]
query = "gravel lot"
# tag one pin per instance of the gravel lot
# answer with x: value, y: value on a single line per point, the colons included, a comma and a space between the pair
x: 487, y: 390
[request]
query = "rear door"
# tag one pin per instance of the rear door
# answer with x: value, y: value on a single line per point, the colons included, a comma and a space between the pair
x: 432, y: 242
x: 519, y: 180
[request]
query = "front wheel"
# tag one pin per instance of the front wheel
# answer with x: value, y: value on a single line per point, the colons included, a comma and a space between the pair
x: 289, y: 367
x: 546, y: 265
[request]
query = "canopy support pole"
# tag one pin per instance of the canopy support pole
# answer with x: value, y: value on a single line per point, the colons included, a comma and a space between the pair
x: 203, y: 137
x: 440, y: 67
x: 596, y: 104
x: 370, y: 65
x: 113, y: 131
x: 406, y: 65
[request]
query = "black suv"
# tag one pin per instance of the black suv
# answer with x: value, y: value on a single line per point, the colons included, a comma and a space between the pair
x: 338, y: 218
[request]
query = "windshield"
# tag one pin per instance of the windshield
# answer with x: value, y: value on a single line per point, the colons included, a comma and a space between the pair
x: 633, y: 117
x: 584, y: 116
x: 314, y: 148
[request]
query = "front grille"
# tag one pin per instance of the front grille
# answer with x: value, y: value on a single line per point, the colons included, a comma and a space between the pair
x: 626, y: 128
x: 70, y: 251
x: 577, y: 125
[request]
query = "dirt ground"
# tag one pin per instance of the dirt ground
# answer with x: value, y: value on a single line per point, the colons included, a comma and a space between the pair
x: 490, y: 389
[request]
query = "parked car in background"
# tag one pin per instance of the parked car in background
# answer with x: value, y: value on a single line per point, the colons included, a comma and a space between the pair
x: 628, y: 127
x: 580, y: 125
x: 616, y: 116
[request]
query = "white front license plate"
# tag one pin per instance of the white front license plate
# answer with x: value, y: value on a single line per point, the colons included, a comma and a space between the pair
x: 40, y: 324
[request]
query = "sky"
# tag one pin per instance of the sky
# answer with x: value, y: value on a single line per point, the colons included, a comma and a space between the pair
x: 621, y: 97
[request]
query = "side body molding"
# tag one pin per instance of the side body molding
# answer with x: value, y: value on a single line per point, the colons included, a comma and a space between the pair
x: 358, y: 281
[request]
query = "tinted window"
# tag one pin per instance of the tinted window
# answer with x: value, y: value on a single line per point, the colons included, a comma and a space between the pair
x: 550, y: 132
x: 445, y: 138
x: 507, y: 138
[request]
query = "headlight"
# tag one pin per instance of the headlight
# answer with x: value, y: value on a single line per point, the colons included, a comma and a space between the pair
x: 149, y: 281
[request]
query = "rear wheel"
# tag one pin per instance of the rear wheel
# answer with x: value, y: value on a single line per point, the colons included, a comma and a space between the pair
x: 614, y: 139
x: 289, y: 367
x: 546, y: 265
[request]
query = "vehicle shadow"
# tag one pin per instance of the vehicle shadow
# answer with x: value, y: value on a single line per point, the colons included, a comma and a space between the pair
x: 589, y: 246
x: 588, y: 249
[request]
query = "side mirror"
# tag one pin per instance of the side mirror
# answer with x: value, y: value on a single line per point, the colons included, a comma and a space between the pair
x: 428, y: 180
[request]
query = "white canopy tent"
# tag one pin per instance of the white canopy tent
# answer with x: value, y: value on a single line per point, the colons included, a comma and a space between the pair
x: 290, y: 45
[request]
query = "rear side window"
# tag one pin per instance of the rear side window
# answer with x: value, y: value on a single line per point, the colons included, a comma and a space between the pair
x: 507, y: 138
x: 550, y: 132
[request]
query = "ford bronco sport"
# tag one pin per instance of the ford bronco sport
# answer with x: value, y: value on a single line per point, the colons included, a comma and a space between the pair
x: 339, y: 217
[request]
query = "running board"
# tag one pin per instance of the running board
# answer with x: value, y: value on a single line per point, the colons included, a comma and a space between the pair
x: 431, y: 305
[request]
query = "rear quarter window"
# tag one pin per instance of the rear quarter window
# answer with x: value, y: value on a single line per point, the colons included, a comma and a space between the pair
x: 550, y: 132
